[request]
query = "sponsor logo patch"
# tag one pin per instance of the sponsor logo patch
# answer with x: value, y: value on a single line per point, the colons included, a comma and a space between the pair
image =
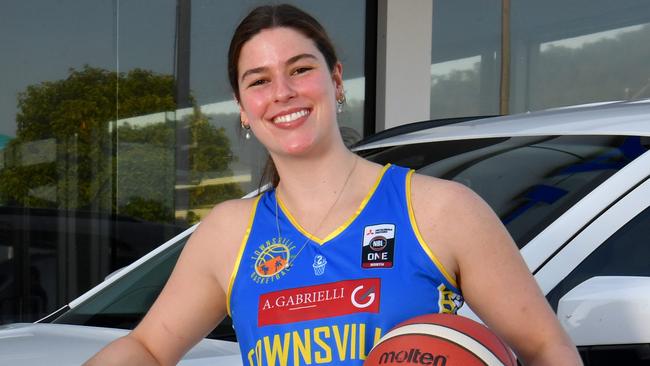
x: 271, y: 260
x: 321, y: 301
x: 378, y: 246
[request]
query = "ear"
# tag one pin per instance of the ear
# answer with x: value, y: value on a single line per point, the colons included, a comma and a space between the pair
x: 337, y: 78
x: 242, y: 114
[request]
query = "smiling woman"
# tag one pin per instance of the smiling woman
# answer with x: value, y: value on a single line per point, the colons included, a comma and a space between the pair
x: 285, y: 82
x: 313, y: 269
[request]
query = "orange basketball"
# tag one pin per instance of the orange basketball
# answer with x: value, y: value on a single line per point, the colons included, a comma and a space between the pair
x: 440, y: 340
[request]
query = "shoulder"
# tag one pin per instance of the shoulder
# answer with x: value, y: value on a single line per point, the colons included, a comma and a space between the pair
x: 224, y: 213
x: 220, y: 234
x: 451, y: 218
x: 227, y: 220
x: 451, y: 203
x: 439, y: 194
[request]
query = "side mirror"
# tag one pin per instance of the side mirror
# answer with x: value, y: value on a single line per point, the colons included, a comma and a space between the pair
x: 607, y: 311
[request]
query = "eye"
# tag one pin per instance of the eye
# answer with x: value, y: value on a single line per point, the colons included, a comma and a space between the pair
x: 257, y: 82
x: 301, y: 70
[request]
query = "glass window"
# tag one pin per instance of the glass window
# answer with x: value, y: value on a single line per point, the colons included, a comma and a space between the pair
x: 561, y: 52
x: 57, y: 99
x: 465, y: 58
x: 118, y: 130
x: 625, y: 253
x: 144, y: 132
x: 497, y: 57
x: 528, y: 181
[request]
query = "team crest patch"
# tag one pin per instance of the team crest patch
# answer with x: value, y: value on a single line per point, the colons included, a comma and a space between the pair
x: 449, y: 302
x: 271, y: 260
x: 378, y: 246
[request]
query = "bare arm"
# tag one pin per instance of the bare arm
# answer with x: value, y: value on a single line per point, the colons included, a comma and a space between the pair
x: 193, y: 301
x: 471, y: 241
x: 124, y: 351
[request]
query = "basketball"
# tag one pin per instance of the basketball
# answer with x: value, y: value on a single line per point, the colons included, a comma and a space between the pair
x: 440, y: 340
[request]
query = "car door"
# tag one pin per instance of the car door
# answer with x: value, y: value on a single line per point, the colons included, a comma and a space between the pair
x: 616, y: 243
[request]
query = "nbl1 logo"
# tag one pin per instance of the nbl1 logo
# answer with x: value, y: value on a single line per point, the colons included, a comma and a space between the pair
x: 378, y: 246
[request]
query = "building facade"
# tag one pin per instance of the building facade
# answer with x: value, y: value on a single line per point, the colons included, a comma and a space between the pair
x: 118, y: 128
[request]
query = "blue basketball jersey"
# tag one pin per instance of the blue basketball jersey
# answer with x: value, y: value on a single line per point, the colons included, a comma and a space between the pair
x: 296, y: 299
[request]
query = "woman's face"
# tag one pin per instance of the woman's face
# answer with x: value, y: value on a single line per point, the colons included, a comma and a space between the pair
x: 287, y: 92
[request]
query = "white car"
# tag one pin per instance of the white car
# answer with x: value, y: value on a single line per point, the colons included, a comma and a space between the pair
x: 571, y: 185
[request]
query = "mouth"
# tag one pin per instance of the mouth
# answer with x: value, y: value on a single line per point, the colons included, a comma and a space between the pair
x: 290, y: 117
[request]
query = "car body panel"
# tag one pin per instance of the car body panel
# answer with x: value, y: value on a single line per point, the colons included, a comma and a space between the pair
x: 608, y: 119
x: 612, y: 303
x: 40, y: 344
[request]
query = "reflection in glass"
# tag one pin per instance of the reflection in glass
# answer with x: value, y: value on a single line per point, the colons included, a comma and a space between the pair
x: 455, y: 88
x: 89, y: 135
x: 567, y: 53
x: 465, y: 58
x: 528, y: 181
x: 582, y: 69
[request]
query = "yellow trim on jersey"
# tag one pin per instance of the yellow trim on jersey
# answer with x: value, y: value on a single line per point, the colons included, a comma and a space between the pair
x: 423, y: 244
x: 242, y: 246
x: 343, y: 226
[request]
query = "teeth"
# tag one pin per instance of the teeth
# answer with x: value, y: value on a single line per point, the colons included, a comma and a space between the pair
x: 290, y: 117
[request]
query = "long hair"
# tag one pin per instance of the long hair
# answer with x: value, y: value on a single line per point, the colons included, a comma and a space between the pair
x: 274, y: 16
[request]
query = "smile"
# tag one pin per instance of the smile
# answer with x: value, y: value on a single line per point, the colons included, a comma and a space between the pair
x: 291, y: 116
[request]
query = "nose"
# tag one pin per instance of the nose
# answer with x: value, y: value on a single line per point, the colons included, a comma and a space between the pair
x: 283, y: 91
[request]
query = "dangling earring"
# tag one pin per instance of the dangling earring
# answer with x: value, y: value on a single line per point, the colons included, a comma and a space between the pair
x: 248, y: 130
x: 339, y: 102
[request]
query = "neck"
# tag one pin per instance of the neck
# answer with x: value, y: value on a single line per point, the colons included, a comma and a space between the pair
x: 315, y: 178
x: 315, y: 193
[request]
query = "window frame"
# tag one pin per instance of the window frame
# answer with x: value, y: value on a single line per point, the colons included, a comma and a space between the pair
x: 593, y: 235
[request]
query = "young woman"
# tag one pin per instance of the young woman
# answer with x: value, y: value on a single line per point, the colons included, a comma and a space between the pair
x: 316, y: 269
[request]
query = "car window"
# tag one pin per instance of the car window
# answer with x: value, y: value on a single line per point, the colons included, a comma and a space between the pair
x: 528, y: 181
x: 125, y: 302
x: 625, y: 253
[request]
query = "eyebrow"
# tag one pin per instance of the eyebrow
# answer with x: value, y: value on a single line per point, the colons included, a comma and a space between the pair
x: 291, y: 60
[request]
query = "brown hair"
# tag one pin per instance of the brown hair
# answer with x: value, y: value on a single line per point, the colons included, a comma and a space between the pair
x: 273, y: 16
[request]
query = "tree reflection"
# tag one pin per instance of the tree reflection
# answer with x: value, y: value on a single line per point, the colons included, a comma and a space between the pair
x: 71, y: 153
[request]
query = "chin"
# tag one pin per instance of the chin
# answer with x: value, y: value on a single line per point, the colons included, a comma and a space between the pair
x: 297, y: 144
x: 297, y: 149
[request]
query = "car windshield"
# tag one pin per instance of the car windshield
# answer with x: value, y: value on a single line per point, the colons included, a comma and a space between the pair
x: 528, y: 181
x: 123, y: 303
